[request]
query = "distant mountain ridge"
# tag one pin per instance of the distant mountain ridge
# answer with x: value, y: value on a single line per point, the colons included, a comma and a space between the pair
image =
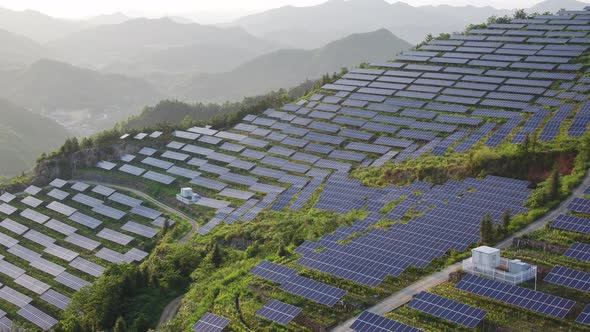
x: 312, y: 26
x: 17, y: 51
x: 137, y: 39
x: 24, y: 136
x: 52, y: 87
x: 555, y: 5
x: 288, y: 67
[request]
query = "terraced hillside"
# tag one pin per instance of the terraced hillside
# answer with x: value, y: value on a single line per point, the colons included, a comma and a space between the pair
x: 503, y: 84
x: 292, y: 237
x: 57, y: 240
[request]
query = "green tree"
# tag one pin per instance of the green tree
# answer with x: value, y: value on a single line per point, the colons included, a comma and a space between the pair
x: 520, y: 14
x: 141, y: 323
x: 165, y: 227
x: 487, y: 231
x: 505, y: 224
x: 120, y: 325
x: 214, y: 257
x: 554, y: 184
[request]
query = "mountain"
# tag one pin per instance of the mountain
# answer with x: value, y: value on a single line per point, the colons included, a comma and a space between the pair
x: 36, y: 26
x: 555, y: 5
x: 82, y: 99
x: 312, y: 26
x: 114, y: 18
x: 17, y: 51
x: 288, y: 67
x: 24, y: 136
x: 137, y: 39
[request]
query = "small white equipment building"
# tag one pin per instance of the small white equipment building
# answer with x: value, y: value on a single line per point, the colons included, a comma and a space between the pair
x: 486, y: 261
x: 187, y: 196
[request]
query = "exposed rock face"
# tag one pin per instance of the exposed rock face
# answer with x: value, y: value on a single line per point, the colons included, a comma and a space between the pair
x: 65, y: 167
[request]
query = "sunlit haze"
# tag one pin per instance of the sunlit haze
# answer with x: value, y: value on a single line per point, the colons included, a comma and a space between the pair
x: 218, y: 9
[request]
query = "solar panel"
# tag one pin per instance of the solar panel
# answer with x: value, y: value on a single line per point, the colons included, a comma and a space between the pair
x: 273, y: 272
x: 7, y: 197
x: 580, y: 205
x: 313, y: 290
x: 85, y: 220
x: 61, y: 208
x: 32, y: 201
x: 32, y: 284
x: 57, y: 299
x: 139, y: 229
x: 82, y: 241
x: 32, y: 190
x: 14, y: 226
x: 87, y: 266
x: 567, y: 277
x: 578, y: 250
x: 37, y: 317
x: 58, y: 194
x: 521, y: 297
x: 279, y: 312
x: 7, y: 209
x: 34, y: 216
x: 370, y: 322
x: 584, y: 317
x: 453, y: 311
x: 114, y: 236
x: 158, y: 177
x: 71, y: 281
x: 58, y: 183
x: 211, y: 323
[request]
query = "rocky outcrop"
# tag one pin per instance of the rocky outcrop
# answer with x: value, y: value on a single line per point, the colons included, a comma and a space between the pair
x: 65, y: 167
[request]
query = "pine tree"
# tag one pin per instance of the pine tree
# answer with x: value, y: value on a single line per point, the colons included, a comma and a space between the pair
x: 487, y: 231
x: 505, y: 224
x: 165, y: 227
x: 120, y: 325
x: 554, y: 184
x: 215, y: 255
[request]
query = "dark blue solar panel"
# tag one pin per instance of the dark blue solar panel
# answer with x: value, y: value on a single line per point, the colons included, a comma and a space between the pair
x: 571, y: 223
x: 571, y: 278
x: 370, y: 322
x: 581, y: 121
x: 279, y: 312
x: 273, y: 272
x: 580, y: 205
x: 448, y: 309
x: 313, y: 290
x: 579, y: 251
x: 584, y: 317
x: 521, y: 297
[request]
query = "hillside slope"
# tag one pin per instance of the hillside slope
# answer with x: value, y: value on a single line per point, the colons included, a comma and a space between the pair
x: 289, y: 67
x: 555, y: 5
x: 36, y: 26
x: 17, y: 50
x: 23, y: 136
x: 76, y: 96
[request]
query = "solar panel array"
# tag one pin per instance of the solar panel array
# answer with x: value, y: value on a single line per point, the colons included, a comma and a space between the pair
x: 211, y: 323
x: 448, y: 309
x: 279, y: 312
x: 521, y: 297
x: 447, y: 96
x: 571, y: 278
x: 58, y: 260
x: 370, y: 322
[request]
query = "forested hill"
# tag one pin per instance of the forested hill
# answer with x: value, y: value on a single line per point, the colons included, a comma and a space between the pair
x: 289, y: 67
x: 49, y: 85
x: 24, y: 136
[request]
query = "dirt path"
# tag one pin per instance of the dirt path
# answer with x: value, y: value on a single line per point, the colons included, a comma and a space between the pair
x: 406, y: 294
x: 170, y: 311
x: 195, y: 225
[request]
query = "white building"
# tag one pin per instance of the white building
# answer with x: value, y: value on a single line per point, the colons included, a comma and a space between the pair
x: 187, y: 196
x: 486, y: 261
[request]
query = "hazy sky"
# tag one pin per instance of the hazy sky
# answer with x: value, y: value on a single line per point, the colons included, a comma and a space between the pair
x: 84, y: 8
